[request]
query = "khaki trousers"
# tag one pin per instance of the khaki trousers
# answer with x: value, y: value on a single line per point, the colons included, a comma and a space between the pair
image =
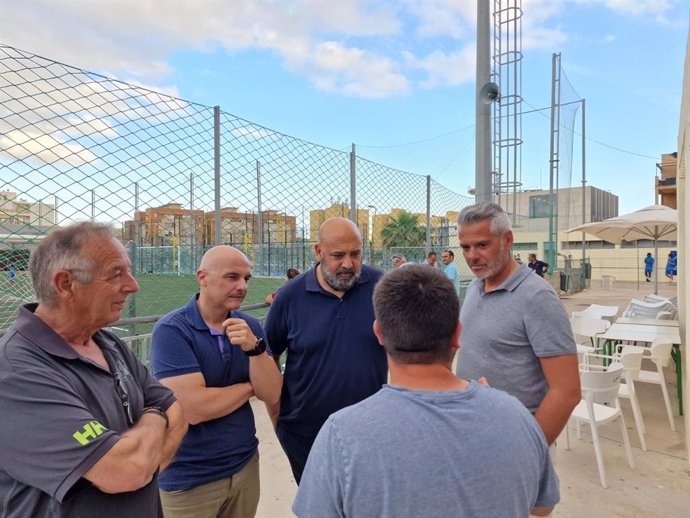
x: 233, y: 497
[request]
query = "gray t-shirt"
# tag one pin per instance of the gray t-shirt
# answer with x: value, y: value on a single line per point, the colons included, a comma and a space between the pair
x: 403, y: 453
x: 506, y: 331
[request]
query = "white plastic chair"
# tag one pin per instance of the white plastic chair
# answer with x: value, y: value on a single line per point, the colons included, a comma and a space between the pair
x: 607, y: 281
x: 597, y: 311
x: 600, y: 405
x: 630, y: 358
x: 666, y: 315
x: 652, y: 297
x: 589, y: 328
x: 660, y: 354
x: 641, y: 309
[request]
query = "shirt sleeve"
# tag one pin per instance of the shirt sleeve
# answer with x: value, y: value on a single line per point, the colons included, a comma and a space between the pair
x: 320, y: 493
x: 549, y: 491
x: 548, y: 326
x: 172, y: 352
x: 275, y: 327
x: 52, y: 438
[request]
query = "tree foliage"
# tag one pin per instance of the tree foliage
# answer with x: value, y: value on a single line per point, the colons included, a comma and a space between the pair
x: 404, y: 231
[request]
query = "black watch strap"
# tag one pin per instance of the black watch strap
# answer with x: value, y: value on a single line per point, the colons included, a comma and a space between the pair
x: 259, y: 348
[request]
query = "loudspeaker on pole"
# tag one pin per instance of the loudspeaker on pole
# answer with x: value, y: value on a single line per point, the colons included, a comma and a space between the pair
x: 489, y: 93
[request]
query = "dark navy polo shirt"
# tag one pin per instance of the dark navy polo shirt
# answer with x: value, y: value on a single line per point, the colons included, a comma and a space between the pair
x: 182, y: 343
x: 333, y: 357
x: 60, y: 414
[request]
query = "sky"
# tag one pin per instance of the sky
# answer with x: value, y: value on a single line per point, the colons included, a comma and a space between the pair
x: 395, y: 78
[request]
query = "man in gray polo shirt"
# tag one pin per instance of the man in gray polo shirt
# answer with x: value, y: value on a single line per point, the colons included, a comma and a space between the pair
x: 84, y: 427
x: 515, y: 330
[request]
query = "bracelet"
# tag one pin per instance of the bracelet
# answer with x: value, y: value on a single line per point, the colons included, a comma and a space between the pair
x: 158, y: 411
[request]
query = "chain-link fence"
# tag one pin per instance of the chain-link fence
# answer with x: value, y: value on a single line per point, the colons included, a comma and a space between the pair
x: 175, y: 178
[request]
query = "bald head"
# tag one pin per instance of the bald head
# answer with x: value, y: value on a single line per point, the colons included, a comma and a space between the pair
x: 223, y: 277
x: 336, y: 230
x: 219, y: 256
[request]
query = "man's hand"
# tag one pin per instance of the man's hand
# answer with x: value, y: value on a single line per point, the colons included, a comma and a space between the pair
x: 239, y: 333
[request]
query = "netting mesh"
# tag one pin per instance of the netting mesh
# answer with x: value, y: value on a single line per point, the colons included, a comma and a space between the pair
x: 80, y: 146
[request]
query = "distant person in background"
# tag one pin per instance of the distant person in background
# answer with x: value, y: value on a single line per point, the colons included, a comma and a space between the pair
x: 672, y: 265
x: 517, y: 258
x: 399, y: 261
x: 648, y: 266
x: 291, y: 273
x: 431, y: 260
x: 451, y: 270
x: 538, y: 267
x: 12, y: 273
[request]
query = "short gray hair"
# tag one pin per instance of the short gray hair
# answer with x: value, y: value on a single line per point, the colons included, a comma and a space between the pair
x: 62, y: 249
x: 500, y: 222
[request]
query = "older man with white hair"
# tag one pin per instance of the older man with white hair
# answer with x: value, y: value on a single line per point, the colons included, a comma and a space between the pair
x: 85, y: 428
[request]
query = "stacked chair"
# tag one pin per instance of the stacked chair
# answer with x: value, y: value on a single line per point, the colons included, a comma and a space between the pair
x: 651, y: 307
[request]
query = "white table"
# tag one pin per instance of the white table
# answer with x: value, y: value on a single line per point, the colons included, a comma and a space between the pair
x: 647, y: 321
x: 642, y: 332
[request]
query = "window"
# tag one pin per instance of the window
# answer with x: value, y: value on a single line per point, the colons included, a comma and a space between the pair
x: 540, y: 206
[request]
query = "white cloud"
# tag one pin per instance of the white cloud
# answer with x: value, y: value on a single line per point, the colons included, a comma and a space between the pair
x: 451, y: 18
x: 30, y: 144
x: 353, y: 47
x: 634, y: 7
x: 443, y: 68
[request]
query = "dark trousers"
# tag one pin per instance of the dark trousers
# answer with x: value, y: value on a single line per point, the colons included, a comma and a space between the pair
x: 297, y: 448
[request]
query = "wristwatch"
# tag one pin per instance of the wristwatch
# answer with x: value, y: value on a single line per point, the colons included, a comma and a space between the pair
x: 259, y: 348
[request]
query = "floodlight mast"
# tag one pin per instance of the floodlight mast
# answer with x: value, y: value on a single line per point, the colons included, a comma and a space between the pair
x: 483, y: 169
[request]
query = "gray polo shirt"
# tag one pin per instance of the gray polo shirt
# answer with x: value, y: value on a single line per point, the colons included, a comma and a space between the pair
x: 60, y: 414
x: 506, y: 331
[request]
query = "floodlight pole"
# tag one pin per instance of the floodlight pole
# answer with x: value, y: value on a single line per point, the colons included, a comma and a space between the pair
x: 482, y: 176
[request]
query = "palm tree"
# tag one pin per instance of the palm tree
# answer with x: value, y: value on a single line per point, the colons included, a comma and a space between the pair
x: 403, y: 231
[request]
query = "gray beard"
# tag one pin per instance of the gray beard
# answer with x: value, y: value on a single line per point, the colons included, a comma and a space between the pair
x: 338, y: 284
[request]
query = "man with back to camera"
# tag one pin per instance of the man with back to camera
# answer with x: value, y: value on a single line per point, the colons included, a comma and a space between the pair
x: 465, y: 449
x: 323, y: 320
x: 89, y: 426
x: 451, y: 271
x: 213, y: 357
x: 515, y: 330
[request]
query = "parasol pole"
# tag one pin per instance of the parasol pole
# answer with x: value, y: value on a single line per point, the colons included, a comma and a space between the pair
x: 656, y: 259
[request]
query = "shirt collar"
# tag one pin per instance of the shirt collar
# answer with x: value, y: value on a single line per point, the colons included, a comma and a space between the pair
x: 43, y: 336
x: 193, y: 315
x: 515, y: 279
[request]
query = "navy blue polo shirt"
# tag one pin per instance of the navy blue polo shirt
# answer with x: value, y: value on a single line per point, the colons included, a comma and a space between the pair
x: 333, y: 357
x: 60, y: 414
x: 182, y: 343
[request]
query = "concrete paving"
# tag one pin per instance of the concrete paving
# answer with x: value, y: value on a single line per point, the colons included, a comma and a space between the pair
x: 659, y: 486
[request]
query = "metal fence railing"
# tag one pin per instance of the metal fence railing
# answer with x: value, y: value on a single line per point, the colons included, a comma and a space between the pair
x: 174, y: 178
